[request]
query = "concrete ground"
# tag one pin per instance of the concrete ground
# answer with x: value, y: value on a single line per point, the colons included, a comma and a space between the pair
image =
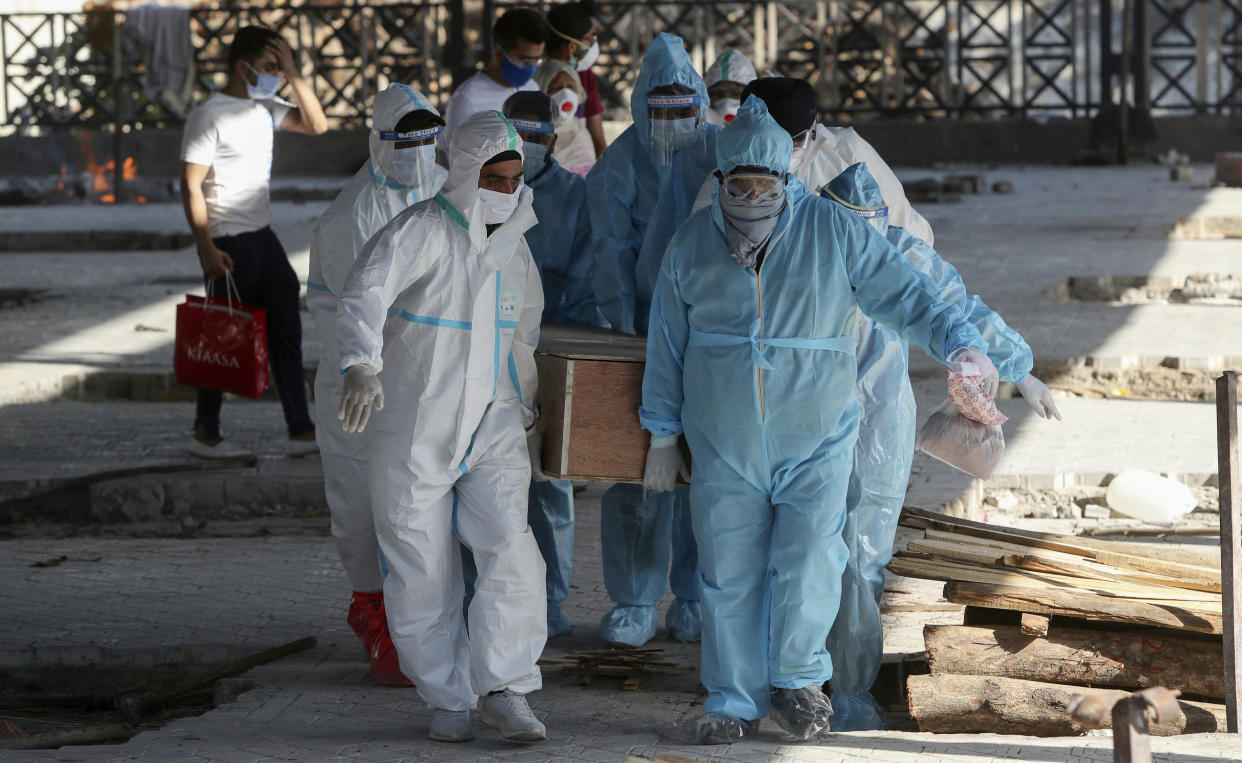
x: 69, y: 316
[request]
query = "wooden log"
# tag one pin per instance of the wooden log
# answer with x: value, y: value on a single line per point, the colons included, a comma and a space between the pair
x: 963, y: 704
x: 1033, y: 625
x: 965, y: 549
x: 924, y: 566
x: 1117, y: 660
x: 1137, y: 553
x: 1189, y: 616
x: 1206, y: 578
x: 1094, y: 570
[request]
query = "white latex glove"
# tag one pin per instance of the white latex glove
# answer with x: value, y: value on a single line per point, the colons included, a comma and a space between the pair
x: 362, y: 393
x: 534, y: 448
x: 982, y: 364
x: 1037, y: 395
x: 664, y: 463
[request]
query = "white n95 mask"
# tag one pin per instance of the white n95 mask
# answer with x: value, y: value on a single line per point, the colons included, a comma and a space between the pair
x: 499, y: 207
x: 566, y: 101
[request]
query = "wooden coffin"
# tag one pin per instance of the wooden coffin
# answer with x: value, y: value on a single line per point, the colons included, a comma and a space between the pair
x: 590, y: 387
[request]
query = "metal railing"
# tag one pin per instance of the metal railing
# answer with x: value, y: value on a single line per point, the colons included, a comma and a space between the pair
x: 906, y: 58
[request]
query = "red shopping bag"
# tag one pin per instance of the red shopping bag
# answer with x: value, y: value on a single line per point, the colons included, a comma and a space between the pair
x: 221, y: 344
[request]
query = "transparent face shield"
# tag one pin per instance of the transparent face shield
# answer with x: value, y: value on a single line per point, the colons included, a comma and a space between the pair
x: 537, y: 138
x: 876, y: 217
x: 414, y: 156
x: 675, y: 123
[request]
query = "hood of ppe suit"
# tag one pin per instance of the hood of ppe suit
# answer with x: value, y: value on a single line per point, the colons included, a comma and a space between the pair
x: 665, y: 63
x: 479, y: 138
x: 732, y: 66
x: 856, y: 189
x: 389, y: 106
x: 754, y: 139
x: 548, y: 70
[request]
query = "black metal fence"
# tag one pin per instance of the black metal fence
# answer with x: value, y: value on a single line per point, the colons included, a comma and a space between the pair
x: 911, y: 58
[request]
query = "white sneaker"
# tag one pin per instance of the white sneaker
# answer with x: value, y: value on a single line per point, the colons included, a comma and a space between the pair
x: 299, y: 447
x: 451, y: 726
x: 222, y: 449
x: 510, y: 713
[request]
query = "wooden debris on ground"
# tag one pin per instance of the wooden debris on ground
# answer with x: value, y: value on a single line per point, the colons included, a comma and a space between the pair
x: 1069, y: 612
x: 625, y: 664
x: 956, y: 704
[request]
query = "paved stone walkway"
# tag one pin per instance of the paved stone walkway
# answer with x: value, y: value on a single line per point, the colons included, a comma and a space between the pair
x: 322, y: 705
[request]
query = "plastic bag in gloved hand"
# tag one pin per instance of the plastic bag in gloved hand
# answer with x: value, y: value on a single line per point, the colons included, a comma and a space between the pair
x: 962, y: 442
x: 969, y: 393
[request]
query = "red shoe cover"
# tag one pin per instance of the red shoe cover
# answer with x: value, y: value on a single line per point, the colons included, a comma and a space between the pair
x: 384, y: 664
x: 367, y: 618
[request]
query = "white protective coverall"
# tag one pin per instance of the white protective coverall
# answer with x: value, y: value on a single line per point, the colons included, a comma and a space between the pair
x: 450, y: 318
x: 371, y: 199
x: 828, y: 151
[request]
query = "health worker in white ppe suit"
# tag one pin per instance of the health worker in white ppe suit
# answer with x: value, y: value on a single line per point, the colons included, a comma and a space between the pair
x: 402, y: 170
x: 725, y: 80
x: 751, y: 355
x: 438, y: 322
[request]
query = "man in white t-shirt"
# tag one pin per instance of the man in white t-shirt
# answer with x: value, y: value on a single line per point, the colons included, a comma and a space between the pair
x: 226, y: 155
x: 519, y: 37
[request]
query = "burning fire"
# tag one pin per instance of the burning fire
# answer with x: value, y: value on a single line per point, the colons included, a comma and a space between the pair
x: 102, y: 173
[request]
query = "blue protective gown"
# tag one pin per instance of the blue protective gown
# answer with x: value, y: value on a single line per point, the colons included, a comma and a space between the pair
x: 757, y: 368
x: 883, y: 456
x: 561, y: 246
x: 636, y: 205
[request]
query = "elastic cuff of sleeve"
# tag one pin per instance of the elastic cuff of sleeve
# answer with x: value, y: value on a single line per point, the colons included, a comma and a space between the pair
x: 664, y: 441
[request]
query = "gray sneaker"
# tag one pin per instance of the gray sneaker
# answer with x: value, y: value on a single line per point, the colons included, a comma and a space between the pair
x: 220, y: 449
x: 451, y: 726
x: 510, y: 713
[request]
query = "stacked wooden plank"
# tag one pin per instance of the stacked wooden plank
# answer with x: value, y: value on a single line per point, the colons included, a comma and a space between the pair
x: 1049, y: 616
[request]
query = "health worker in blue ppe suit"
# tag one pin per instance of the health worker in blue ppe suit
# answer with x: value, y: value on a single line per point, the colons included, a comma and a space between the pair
x: 751, y: 355
x: 885, y: 447
x: 884, y: 451
x: 639, y: 192
x: 401, y: 171
x: 561, y: 245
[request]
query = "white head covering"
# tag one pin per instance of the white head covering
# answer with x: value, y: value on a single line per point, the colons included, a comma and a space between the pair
x: 479, y: 138
x: 732, y: 66
x: 387, y: 108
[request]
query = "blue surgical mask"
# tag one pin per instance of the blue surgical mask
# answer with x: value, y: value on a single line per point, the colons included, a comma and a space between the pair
x: 513, y: 74
x: 265, y: 86
x: 534, y: 157
x: 668, y: 136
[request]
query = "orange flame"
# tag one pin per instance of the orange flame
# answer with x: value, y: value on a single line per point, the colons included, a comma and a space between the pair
x: 102, y: 173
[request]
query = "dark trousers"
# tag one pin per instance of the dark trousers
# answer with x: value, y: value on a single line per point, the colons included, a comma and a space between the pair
x: 265, y: 279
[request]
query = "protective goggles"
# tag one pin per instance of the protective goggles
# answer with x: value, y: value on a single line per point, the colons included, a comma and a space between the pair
x: 426, y: 133
x: 674, y: 106
x: 763, y: 185
x: 539, y: 132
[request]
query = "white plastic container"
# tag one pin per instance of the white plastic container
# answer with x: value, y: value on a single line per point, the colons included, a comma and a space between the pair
x: 1149, y: 497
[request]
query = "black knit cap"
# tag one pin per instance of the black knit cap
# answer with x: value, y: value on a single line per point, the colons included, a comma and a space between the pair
x: 791, y: 102
x: 504, y: 156
x: 530, y: 103
x: 571, y: 19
